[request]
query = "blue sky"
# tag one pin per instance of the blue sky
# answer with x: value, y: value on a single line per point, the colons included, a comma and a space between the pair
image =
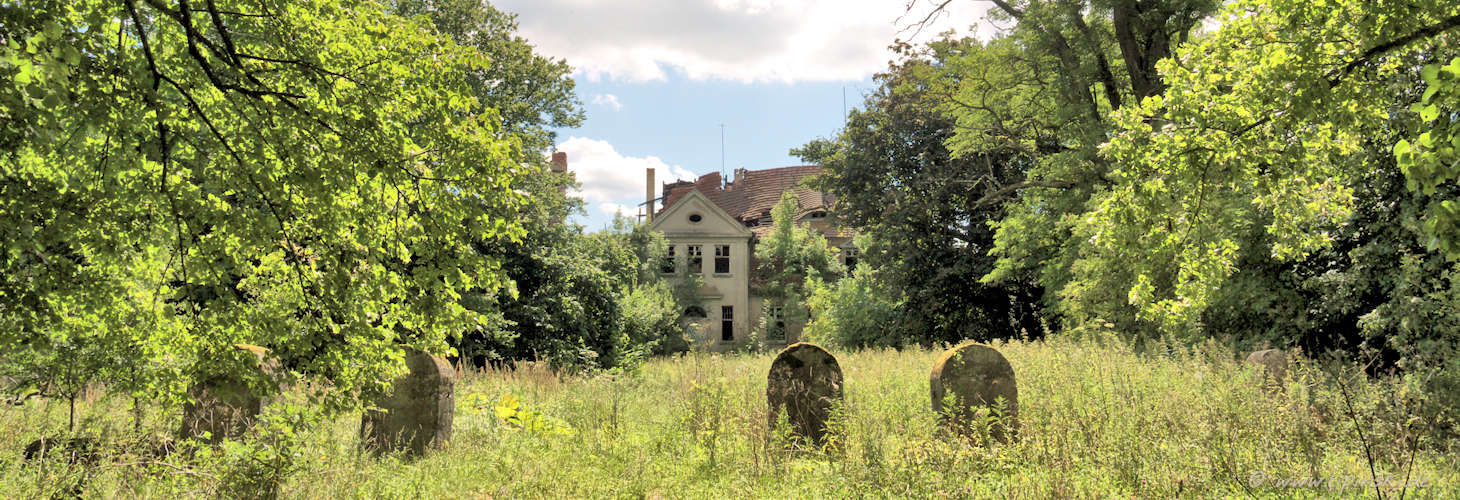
x: 658, y: 77
x: 678, y: 122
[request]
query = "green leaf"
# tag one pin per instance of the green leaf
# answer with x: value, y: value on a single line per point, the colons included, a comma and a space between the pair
x: 1429, y: 113
x: 1430, y: 73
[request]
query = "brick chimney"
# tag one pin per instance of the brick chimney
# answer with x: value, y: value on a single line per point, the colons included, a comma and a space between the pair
x: 649, y: 195
x: 560, y: 162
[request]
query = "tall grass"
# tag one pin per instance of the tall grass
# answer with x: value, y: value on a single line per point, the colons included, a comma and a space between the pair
x: 1096, y: 421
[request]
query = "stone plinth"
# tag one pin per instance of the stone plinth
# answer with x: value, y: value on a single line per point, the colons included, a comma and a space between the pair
x: 974, y: 377
x: 417, y: 414
x: 1274, y: 363
x: 805, y: 382
x: 224, y: 406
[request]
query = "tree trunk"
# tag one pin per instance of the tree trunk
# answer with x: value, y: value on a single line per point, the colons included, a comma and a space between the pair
x: 1143, y: 41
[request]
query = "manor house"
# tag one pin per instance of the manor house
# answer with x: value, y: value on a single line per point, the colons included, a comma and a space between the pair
x: 713, y: 225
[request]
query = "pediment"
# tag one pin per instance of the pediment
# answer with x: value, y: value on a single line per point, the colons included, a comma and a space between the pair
x: 676, y: 219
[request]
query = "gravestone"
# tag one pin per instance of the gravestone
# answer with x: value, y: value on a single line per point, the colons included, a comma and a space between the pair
x: 70, y: 450
x: 1274, y: 363
x: 417, y: 413
x: 804, y: 383
x: 92, y: 392
x: 224, y: 406
x: 973, y: 377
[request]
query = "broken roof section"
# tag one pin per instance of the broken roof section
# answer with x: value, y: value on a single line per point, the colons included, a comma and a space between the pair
x: 750, y: 197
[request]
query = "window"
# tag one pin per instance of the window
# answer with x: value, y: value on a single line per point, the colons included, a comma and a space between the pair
x: 850, y: 256
x: 722, y: 259
x: 695, y: 312
x: 727, y: 323
x: 696, y: 258
x: 816, y: 215
x: 668, y: 266
x: 776, y: 323
x: 696, y: 218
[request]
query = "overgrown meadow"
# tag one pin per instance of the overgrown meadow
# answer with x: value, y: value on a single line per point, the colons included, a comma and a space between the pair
x: 1097, y: 420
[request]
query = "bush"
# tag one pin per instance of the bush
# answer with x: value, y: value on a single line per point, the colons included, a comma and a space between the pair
x: 856, y: 311
x: 651, y: 318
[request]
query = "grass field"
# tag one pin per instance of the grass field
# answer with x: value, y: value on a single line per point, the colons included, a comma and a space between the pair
x: 1096, y: 421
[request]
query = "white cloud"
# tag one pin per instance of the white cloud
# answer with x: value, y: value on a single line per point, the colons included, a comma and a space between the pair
x: 610, y: 208
x: 611, y: 181
x: 737, y: 40
x: 608, y: 101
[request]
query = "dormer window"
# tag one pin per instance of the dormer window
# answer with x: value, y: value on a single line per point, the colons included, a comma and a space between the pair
x: 695, y: 218
x: 816, y: 215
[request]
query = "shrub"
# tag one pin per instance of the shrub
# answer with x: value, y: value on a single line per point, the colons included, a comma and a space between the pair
x: 856, y: 311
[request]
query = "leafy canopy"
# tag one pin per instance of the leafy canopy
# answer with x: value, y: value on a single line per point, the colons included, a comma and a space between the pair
x: 304, y: 175
x: 789, y: 258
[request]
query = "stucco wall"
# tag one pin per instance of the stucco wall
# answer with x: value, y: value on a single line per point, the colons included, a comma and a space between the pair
x: 715, y: 227
x: 729, y: 289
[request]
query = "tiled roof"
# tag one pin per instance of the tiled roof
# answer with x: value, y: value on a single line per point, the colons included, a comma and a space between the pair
x: 755, y: 193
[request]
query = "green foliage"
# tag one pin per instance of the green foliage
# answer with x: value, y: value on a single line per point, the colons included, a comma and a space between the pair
x: 258, y: 467
x: 706, y: 416
x: 1097, y: 420
x: 510, y: 411
x: 1247, y: 133
x: 925, y: 214
x: 581, y: 301
x: 653, y: 306
x: 1420, y: 324
x: 307, y: 176
x: 532, y: 93
x: 856, y: 312
x: 562, y: 304
x: 651, y: 318
x: 1433, y: 159
x: 1043, y: 91
x: 789, y: 258
x: 1164, y: 193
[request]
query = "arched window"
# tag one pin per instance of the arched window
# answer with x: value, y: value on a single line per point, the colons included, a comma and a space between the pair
x: 695, y: 312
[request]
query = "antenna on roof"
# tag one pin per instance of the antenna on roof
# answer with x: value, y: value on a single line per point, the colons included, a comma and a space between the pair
x: 722, y: 152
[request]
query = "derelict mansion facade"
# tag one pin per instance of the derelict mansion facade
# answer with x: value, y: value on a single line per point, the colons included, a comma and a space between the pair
x: 712, y: 227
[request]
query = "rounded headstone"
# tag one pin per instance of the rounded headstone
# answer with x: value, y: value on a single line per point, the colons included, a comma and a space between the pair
x: 417, y: 414
x: 225, y: 406
x: 92, y: 392
x: 805, y: 382
x: 1274, y: 363
x: 973, y: 376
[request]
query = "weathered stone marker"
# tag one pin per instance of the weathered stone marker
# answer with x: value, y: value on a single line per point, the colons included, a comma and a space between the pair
x: 1274, y: 363
x: 973, y: 376
x: 417, y: 414
x: 225, y: 406
x: 804, y: 383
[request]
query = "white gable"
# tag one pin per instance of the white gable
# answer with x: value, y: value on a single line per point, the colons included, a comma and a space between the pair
x: 678, y: 219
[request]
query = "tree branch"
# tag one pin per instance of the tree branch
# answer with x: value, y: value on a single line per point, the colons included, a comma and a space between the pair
x: 1449, y: 23
x: 1102, y: 64
x: 1009, y: 190
x: 924, y: 23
